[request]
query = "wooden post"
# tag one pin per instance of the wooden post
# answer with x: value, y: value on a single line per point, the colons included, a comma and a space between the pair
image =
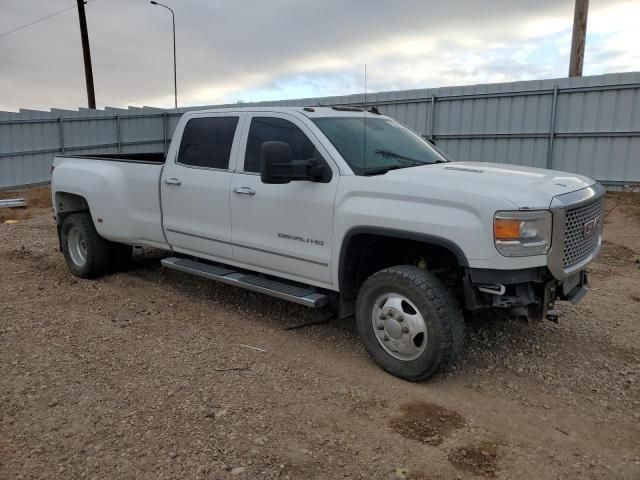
x: 86, y: 53
x: 578, y: 38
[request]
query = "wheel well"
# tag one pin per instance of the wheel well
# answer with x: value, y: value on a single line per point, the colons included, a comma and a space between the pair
x: 365, y: 253
x: 68, y: 203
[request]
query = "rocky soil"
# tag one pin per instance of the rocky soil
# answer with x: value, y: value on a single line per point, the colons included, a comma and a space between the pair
x: 151, y: 374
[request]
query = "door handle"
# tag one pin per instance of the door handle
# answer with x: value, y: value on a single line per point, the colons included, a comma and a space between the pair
x: 172, y: 181
x: 245, y: 191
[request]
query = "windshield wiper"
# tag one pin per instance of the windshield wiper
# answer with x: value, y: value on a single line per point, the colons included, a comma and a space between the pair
x: 390, y: 154
x: 408, y: 162
x: 380, y: 170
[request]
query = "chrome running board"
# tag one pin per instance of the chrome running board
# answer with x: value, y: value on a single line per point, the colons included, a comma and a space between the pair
x: 275, y: 288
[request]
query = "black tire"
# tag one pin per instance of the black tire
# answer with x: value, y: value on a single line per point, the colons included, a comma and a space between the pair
x: 438, y: 307
x: 120, y: 256
x: 96, y: 248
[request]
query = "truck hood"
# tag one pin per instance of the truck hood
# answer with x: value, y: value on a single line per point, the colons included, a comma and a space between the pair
x: 526, y: 187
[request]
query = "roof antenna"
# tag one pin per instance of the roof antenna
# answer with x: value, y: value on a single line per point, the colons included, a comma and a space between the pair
x: 364, y: 123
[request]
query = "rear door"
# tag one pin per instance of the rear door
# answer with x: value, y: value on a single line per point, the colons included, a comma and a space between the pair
x: 195, y: 186
x: 283, y: 229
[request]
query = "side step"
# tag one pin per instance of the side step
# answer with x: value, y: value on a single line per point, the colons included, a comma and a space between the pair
x: 302, y: 295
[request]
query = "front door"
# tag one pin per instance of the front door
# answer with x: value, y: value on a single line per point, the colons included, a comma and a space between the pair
x: 284, y: 229
x: 195, y: 187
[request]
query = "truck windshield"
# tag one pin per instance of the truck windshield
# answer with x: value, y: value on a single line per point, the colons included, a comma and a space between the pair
x: 376, y: 145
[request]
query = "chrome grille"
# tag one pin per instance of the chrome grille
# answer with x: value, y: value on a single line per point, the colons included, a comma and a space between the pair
x: 577, y: 247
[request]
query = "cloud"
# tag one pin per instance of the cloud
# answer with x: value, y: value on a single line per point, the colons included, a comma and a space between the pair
x: 255, y: 50
x: 613, y: 40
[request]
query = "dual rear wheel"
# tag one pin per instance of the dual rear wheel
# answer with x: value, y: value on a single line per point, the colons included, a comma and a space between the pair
x: 86, y: 253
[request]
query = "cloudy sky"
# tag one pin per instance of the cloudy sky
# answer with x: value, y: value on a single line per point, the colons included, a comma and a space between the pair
x: 251, y: 50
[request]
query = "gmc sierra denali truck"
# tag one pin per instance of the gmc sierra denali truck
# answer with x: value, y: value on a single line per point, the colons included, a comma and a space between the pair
x: 340, y: 207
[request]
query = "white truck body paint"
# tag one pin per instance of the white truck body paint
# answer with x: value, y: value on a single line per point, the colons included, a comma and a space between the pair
x: 124, y: 195
x: 205, y: 217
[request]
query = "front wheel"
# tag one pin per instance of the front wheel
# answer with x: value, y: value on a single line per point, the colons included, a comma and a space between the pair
x: 409, y: 322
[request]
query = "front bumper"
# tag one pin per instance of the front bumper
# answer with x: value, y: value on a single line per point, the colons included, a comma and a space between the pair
x: 528, y: 292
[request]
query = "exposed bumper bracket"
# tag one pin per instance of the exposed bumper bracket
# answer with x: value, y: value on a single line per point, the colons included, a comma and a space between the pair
x: 577, y: 294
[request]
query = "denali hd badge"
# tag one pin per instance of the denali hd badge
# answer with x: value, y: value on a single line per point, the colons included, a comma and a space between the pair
x: 300, y: 239
x: 591, y: 227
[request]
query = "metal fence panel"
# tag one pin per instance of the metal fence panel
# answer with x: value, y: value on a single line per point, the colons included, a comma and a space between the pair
x: 587, y: 125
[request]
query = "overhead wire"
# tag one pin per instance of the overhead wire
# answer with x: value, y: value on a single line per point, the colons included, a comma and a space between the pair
x: 39, y: 20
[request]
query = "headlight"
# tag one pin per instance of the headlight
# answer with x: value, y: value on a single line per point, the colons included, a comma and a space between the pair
x: 522, y: 233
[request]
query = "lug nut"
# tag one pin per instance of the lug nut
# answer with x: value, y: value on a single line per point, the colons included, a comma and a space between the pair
x: 382, y: 316
x: 405, y: 330
x: 389, y: 313
x: 380, y: 327
x: 400, y: 319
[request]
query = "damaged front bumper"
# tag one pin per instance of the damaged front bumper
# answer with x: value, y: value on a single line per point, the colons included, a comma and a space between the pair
x: 527, y: 293
x: 576, y: 241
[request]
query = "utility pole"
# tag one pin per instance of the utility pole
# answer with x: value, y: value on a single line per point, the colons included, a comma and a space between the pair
x: 86, y: 53
x: 578, y: 38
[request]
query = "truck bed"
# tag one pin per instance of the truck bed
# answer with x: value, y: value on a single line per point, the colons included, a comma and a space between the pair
x: 154, y: 158
x: 123, y: 192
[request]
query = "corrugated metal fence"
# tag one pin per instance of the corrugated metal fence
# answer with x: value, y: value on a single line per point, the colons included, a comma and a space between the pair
x: 588, y: 125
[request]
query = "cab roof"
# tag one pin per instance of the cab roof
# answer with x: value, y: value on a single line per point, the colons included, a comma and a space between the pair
x: 309, y: 111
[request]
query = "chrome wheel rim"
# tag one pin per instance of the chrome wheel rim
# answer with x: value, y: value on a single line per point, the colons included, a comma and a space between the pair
x: 399, y: 326
x: 77, y: 247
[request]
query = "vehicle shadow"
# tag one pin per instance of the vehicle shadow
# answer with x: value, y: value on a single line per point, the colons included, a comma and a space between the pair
x: 491, y: 338
x: 282, y: 314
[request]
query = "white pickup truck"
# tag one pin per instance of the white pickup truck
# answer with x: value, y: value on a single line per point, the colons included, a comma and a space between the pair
x: 339, y: 207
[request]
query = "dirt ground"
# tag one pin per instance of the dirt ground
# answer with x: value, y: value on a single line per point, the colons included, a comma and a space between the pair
x: 148, y: 374
x: 38, y: 202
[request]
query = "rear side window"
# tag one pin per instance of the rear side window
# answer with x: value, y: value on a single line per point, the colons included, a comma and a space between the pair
x: 264, y: 129
x: 206, y: 142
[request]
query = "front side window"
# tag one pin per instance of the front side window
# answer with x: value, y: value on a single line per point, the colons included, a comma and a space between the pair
x: 376, y: 145
x: 206, y: 142
x: 265, y: 129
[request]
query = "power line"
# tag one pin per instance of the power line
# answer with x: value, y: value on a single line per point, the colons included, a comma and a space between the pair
x: 40, y: 20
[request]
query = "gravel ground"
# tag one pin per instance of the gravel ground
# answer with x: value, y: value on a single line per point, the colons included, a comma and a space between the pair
x: 147, y: 374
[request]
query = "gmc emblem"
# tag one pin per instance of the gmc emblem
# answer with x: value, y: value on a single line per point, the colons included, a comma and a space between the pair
x: 591, y: 227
